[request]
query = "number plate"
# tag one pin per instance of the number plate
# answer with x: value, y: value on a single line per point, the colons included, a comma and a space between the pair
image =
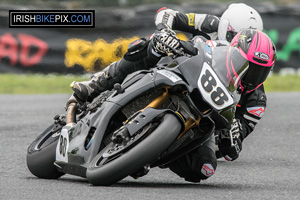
x: 213, y: 90
x: 63, y: 146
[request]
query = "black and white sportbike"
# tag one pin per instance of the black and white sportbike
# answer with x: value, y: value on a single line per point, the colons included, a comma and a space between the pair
x: 151, y: 119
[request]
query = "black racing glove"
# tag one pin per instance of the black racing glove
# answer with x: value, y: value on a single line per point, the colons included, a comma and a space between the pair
x: 165, y: 42
x: 230, y: 144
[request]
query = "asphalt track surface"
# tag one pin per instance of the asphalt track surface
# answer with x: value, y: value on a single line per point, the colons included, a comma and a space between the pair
x: 268, y: 167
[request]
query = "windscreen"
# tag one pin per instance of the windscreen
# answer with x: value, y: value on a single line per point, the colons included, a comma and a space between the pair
x: 229, y: 65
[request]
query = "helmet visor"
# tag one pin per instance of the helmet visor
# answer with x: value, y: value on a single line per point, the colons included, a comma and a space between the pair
x: 256, y: 74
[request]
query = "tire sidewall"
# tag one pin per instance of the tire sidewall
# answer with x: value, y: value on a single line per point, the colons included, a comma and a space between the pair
x: 40, y: 162
x: 143, y: 153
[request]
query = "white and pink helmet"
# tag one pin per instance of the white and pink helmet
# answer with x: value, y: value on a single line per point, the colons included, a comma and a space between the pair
x: 256, y: 51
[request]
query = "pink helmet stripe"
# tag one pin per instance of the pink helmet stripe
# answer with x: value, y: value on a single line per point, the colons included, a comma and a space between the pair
x: 242, y: 87
x: 260, y: 46
x: 243, y: 53
x: 269, y: 47
x: 228, y: 69
x: 233, y: 70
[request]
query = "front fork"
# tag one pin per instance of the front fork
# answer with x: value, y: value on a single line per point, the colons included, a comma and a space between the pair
x: 156, y: 103
x: 188, y: 123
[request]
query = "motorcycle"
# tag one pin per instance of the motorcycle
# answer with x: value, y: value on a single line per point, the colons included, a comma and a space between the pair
x: 154, y: 117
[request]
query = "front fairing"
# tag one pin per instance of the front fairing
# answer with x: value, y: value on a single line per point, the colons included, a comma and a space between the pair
x: 75, y: 151
x: 75, y: 155
x: 207, y: 73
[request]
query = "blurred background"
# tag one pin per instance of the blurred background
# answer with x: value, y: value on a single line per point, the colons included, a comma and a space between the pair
x: 117, y: 23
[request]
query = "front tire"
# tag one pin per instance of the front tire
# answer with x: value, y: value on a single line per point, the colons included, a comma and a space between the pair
x: 143, y: 153
x: 41, y: 155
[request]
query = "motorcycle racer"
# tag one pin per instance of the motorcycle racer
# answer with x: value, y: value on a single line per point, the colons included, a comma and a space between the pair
x: 144, y: 54
x: 237, y: 17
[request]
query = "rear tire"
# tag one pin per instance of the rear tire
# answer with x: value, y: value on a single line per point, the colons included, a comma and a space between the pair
x: 143, y: 153
x: 41, y: 155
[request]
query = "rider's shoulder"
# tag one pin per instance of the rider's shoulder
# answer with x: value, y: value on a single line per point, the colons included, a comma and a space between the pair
x: 256, y: 97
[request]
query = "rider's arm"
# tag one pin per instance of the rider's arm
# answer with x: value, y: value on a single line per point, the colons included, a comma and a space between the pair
x: 140, y: 56
x: 143, y: 56
x: 250, y: 110
x: 197, y: 24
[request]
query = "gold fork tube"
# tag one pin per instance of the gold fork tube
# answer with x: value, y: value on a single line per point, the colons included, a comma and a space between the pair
x: 188, y: 125
x: 159, y: 100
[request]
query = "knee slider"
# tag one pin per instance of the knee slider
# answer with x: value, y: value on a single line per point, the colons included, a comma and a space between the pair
x: 208, y: 163
x: 207, y: 170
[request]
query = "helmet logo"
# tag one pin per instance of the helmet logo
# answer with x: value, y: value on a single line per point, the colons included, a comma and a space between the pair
x: 261, y: 55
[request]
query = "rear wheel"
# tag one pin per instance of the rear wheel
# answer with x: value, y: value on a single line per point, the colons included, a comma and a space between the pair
x: 115, y: 161
x: 41, y: 154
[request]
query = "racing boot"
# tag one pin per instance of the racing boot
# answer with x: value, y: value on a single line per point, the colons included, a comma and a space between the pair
x: 87, y: 90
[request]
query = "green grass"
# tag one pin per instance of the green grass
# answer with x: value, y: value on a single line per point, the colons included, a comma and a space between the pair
x: 280, y: 83
x: 37, y: 84
x: 52, y: 84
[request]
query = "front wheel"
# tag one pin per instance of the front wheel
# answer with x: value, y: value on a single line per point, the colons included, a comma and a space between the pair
x: 41, y: 154
x: 115, y: 163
